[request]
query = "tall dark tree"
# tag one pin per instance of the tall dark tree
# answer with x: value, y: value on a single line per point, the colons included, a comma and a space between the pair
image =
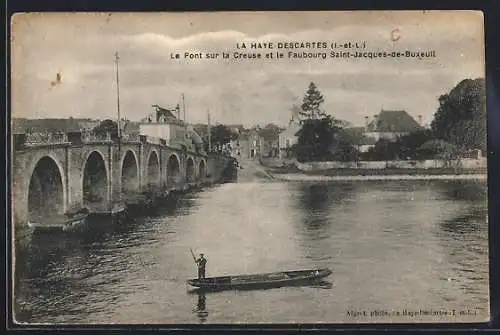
x: 321, y: 136
x: 461, y: 116
x: 107, y: 126
x: 319, y: 139
x: 311, y: 103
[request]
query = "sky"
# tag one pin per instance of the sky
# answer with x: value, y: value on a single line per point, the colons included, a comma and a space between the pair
x: 81, y: 48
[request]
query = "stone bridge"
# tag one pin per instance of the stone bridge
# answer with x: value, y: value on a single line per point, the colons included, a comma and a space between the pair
x: 58, y: 176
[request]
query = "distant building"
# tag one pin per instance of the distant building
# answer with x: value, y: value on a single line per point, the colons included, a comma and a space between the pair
x: 249, y: 142
x: 162, y: 124
x: 391, y: 124
x: 269, y: 144
x: 359, y: 139
x: 201, y: 129
x: 287, y: 138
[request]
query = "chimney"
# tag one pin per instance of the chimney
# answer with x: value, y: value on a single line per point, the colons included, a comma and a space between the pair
x: 178, y: 109
x: 367, y: 122
x: 375, y: 122
x: 420, y: 119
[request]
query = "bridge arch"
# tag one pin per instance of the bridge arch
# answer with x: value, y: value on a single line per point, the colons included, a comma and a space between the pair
x: 190, y: 170
x: 95, y: 181
x: 173, y: 169
x: 45, y: 192
x: 129, y: 172
x: 153, y: 169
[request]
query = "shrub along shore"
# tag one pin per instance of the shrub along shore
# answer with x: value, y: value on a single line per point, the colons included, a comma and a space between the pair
x: 378, y: 172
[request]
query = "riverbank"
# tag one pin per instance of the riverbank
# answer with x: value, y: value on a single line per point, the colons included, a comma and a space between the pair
x: 371, y: 172
x: 305, y: 177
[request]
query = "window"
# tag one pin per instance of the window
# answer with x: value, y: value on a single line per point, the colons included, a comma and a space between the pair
x: 288, y: 143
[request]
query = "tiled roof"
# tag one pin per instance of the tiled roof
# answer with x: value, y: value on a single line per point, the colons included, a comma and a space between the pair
x: 394, y: 121
x: 201, y: 129
x: 195, y: 135
x: 163, y: 112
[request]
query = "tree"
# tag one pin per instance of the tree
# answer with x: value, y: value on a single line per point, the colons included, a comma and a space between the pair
x: 321, y: 136
x: 383, y: 150
x: 107, y: 126
x: 408, y: 146
x: 311, y: 103
x: 220, y: 135
x: 320, y: 139
x: 461, y: 116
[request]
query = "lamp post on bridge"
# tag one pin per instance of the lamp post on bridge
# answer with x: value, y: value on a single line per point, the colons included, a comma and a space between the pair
x: 117, y: 58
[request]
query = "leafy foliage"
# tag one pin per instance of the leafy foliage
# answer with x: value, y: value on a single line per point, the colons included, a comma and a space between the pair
x: 323, y: 139
x: 461, y: 116
x: 107, y: 126
x: 404, y: 147
x: 220, y: 135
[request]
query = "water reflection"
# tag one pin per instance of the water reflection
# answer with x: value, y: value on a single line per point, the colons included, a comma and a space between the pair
x: 81, y: 273
x: 323, y: 284
x: 387, y: 243
x: 320, y: 196
x: 316, y: 199
x: 463, y: 237
x: 201, y: 307
x: 463, y: 190
x: 472, y: 220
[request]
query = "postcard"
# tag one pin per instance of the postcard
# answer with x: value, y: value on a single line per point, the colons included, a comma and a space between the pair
x: 249, y: 167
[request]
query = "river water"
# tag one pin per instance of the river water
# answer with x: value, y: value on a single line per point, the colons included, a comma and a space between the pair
x: 398, y: 251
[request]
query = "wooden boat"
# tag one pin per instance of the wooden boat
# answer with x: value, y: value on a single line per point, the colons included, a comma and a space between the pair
x: 264, y: 280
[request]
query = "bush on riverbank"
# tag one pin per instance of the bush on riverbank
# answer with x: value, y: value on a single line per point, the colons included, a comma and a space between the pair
x: 346, y: 171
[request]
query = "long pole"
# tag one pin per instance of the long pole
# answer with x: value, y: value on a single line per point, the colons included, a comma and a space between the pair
x: 118, y: 99
x: 209, y: 134
x: 184, y: 107
x: 192, y: 253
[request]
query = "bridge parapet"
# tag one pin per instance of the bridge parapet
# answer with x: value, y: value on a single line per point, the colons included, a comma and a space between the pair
x: 41, y: 139
x: 91, y: 137
x: 133, y: 138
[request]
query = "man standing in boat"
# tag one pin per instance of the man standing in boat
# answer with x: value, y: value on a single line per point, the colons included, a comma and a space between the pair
x: 201, y: 262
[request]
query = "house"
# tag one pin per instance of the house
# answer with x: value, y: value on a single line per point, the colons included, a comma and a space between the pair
x: 249, y: 142
x: 391, y: 124
x: 269, y: 140
x: 358, y: 138
x: 162, y: 124
x: 288, y: 138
